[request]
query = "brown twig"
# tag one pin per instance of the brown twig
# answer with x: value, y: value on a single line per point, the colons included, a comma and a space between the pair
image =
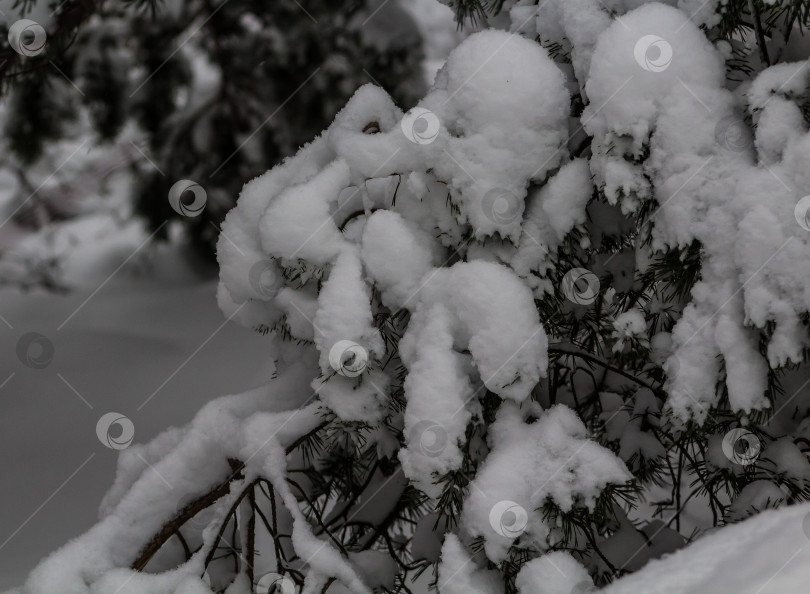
x: 204, y: 501
x: 184, y: 544
x: 185, y: 514
x: 275, y: 527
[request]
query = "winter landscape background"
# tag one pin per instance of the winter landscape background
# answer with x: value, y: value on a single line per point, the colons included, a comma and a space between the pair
x: 528, y: 315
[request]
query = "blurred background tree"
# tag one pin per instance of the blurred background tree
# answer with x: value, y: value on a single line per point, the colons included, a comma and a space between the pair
x: 200, y: 90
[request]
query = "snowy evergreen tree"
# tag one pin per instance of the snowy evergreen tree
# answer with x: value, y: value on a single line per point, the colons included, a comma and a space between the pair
x: 545, y: 326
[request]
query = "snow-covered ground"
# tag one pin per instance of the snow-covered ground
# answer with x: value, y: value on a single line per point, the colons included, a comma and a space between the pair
x: 769, y: 553
x: 116, y: 343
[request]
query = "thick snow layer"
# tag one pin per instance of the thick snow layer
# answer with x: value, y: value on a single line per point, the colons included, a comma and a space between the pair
x: 344, y: 311
x: 497, y: 95
x: 576, y: 25
x: 438, y: 392
x: 495, y: 318
x: 552, y: 459
x: 769, y: 553
x: 459, y: 575
x: 298, y: 223
x: 553, y: 210
x: 553, y: 573
x: 366, y: 402
x: 665, y: 93
x: 387, y: 238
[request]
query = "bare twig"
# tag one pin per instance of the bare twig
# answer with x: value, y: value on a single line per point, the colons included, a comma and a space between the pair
x: 185, y: 514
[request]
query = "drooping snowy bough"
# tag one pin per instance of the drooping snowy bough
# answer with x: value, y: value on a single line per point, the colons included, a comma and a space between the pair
x: 412, y: 269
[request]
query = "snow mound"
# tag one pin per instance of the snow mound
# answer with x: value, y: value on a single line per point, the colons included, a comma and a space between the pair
x: 769, y: 553
x: 550, y: 459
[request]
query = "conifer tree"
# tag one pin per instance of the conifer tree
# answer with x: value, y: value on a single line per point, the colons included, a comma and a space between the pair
x: 545, y: 326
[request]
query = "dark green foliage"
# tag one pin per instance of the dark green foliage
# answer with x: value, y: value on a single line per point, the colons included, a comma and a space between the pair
x: 220, y: 91
x: 43, y: 107
x: 475, y: 11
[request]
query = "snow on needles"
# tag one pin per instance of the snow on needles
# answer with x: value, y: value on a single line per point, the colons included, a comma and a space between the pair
x: 387, y: 212
x: 710, y: 179
x: 471, y: 165
x: 550, y: 459
x: 397, y: 258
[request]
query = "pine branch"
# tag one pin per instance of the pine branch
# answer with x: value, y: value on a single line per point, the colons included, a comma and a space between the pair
x: 223, y: 526
x: 763, y: 48
x: 69, y: 18
x: 251, y: 534
x: 588, y: 357
x: 185, y: 514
